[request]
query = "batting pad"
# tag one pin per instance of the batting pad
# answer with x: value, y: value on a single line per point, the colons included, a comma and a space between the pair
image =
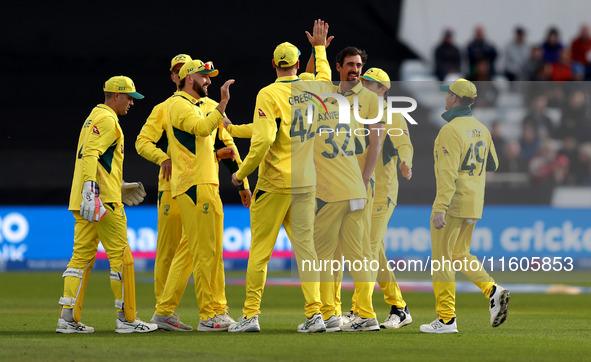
x: 76, y: 279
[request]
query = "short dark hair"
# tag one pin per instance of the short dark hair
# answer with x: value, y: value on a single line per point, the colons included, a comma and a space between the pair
x: 109, y: 95
x: 283, y: 65
x: 348, y: 51
x: 466, y: 101
x: 182, y: 83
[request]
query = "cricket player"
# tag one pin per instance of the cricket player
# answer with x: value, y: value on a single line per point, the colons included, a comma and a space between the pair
x: 95, y: 201
x: 341, y: 197
x: 463, y: 152
x: 281, y: 143
x: 397, y: 150
x: 368, y: 143
x: 152, y: 144
x: 194, y: 185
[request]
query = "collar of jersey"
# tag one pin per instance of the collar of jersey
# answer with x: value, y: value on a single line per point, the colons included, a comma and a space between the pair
x: 288, y: 79
x: 355, y: 90
x: 459, y: 111
x: 187, y: 96
x: 104, y: 106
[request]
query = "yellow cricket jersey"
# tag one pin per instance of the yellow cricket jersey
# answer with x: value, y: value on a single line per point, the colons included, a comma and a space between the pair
x: 338, y: 176
x: 191, y: 145
x: 222, y: 138
x: 463, y: 152
x: 281, y: 138
x: 369, y: 106
x: 240, y: 130
x: 99, y: 157
x: 152, y: 143
x: 395, y: 149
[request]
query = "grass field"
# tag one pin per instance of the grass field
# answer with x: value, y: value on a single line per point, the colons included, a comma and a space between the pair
x: 539, y: 327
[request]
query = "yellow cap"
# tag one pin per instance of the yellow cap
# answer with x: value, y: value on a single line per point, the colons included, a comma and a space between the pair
x: 461, y: 88
x: 306, y: 76
x: 197, y: 66
x: 286, y: 52
x: 179, y: 59
x: 121, y: 84
x: 377, y: 75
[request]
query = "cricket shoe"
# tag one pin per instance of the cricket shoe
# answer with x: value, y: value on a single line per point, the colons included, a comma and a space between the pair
x: 398, y: 318
x: 499, y: 305
x: 349, y: 317
x: 170, y: 323
x: 314, y: 324
x: 333, y: 324
x: 72, y: 327
x: 136, y: 326
x: 361, y: 325
x: 225, y: 319
x: 246, y: 325
x: 438, y: 327
x: 213, y: 324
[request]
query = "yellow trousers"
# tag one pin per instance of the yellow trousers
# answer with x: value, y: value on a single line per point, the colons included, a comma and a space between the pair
x: 381, y: 214
x: 169, y: 237
x: 112, y: 232
x: 268, y: 212
x: 203, y: 224
x: 335, y: 224
x: 452, y: 243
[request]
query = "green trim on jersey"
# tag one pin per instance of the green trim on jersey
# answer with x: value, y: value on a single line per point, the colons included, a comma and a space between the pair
x: 185, y: 138
x: 459, y: 111
x: 389, y: 151
x: 106, y: 159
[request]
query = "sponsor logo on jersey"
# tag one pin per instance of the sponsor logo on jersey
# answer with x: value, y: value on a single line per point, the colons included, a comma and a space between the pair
x: 261, y: 113
x: 166, y: 209
x: 95, y: 130
x: 445, y: 152
x: 122, y: 149
x: 405, y: 132
x: 206, y: 208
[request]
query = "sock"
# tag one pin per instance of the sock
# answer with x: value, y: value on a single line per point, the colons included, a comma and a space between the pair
x: 121, y: 316
x: 68, y: 314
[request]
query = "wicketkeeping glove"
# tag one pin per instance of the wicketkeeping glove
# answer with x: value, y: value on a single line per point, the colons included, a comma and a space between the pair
x: 91, y: 207
x: 132, y: 193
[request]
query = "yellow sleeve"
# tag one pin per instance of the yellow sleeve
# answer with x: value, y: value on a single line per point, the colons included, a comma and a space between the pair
x: 321, y: 66
x: 448, y: 153
x: 229, y: 142
x: 241, y: 130
x: 101, y: 135
x: 402, y: 142
x: 492, y: 161
x: 263, y: 134
x: 150, y: 134
x: 183, y: 117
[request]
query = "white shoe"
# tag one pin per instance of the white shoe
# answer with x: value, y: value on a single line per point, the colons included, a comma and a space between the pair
x: 246, y: 325
x: 313, y: 324
x: 397, y: 318
x: 170, y: 323
x: 225, y: 318
x: 72, y: 327
x: 499, y: 305
x: 333, y: 324
x: 213, y: 324
x: 135, y: 326
x: 437, y: 326
x: 349, y: 317
x: 361, y: 325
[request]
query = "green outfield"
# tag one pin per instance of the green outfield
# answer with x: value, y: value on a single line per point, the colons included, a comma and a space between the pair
x: 539, y: 327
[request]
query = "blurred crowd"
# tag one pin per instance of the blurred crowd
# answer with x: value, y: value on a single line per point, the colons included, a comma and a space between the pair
x: 551, y: 150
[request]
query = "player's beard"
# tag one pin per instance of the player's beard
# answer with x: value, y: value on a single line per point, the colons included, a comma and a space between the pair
x: 202, y: 92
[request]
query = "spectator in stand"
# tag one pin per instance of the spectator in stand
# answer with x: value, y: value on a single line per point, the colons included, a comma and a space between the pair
x: 538, y: 119
x: 581, y: 50
x: 516, y: 55
x: 480, y: 49
x: 574, y: 112
x: 532, y: 64
x: 546, y: 167
x: 510, y: 159
x: 496, y: 135
x: 569, y: 150
x: 552, y: 46
x: 528, y: 142
x: 487, y: 91
x: 562, y: 71
x: 582, y: 167
x: 447, y: 56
